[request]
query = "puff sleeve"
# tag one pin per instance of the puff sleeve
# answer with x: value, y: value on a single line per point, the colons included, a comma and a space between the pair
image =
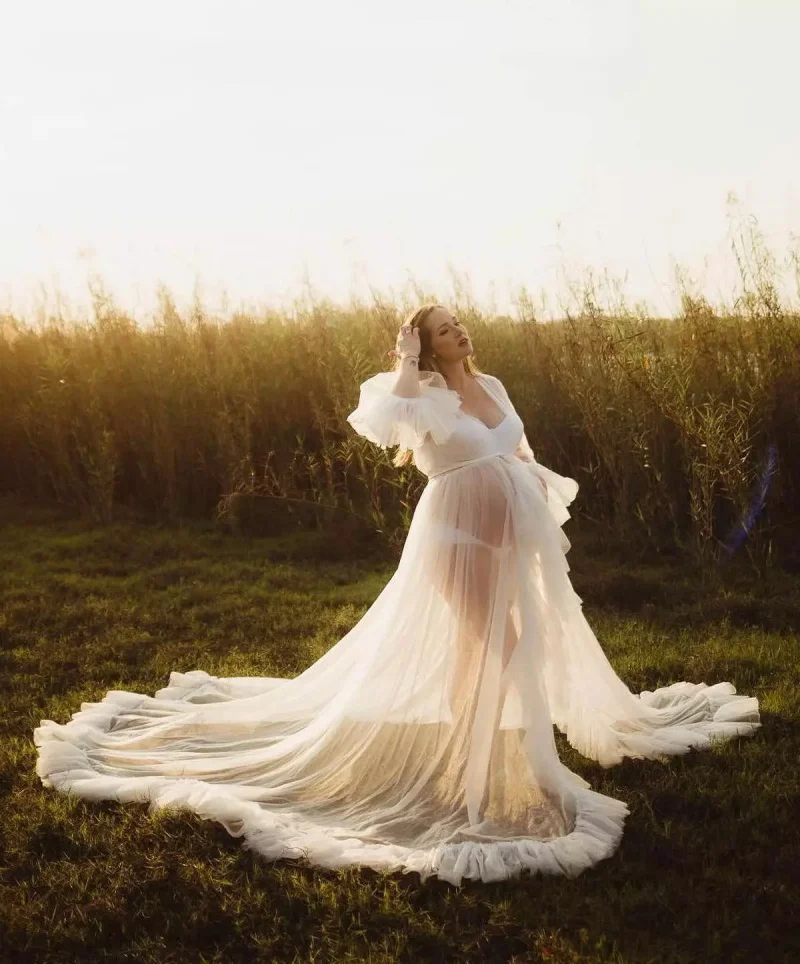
x: 388, y: 419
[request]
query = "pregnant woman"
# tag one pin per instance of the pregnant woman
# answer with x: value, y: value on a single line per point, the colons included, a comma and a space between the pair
x: 423, y: 740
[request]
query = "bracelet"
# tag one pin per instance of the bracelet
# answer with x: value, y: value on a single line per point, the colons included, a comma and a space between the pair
x: 408, y: 354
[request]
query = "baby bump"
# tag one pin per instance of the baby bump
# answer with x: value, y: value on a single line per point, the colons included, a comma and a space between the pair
x: 473, y: 505
x: 470, y: 517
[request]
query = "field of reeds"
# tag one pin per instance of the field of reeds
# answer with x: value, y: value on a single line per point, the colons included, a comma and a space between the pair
x: 683, y: 433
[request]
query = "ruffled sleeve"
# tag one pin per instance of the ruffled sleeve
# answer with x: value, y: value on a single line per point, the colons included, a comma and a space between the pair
x: 561, y: 491
x: 387, y: 419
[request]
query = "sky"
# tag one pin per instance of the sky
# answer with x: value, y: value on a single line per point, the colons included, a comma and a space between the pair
x: 250, y: 153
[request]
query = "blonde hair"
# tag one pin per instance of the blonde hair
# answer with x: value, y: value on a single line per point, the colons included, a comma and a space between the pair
x: 427, y: 363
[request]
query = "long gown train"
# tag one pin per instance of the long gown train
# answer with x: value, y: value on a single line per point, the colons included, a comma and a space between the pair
x: 423, y: 739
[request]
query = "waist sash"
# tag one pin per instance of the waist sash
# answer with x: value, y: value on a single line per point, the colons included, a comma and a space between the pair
x: 463, y: 465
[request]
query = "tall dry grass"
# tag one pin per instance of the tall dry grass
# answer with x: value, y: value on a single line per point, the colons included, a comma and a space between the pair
x: 667, y: 424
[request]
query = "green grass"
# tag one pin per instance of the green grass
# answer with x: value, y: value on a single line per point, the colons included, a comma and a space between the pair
x: 704, y: 873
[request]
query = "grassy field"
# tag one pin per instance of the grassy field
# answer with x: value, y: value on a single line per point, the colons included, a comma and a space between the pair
x: 706, y: 871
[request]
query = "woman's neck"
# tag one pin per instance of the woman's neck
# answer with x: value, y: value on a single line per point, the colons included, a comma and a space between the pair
x: 454, y: 374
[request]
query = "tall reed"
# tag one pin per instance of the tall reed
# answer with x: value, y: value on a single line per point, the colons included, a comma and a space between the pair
x: 665, y: 423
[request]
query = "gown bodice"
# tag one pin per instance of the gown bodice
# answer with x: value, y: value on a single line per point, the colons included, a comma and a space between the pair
x: 444, y: 438
x: 441, y: 436
x: 471, y: 440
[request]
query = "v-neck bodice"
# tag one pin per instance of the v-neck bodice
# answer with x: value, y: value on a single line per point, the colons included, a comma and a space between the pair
x: 500, y: 408
x: 433, y: 424
x: 492, y: 429
x: 444, y: 438
x: 471, y: 439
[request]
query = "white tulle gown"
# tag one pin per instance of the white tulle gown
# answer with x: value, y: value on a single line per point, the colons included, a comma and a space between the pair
x: 423, y: 740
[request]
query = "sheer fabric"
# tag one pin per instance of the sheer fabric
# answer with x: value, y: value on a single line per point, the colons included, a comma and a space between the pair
x: 423, y: 740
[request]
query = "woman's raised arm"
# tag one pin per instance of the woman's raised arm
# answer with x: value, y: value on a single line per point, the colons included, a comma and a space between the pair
x: 407, y: 350
x: 396, y: 408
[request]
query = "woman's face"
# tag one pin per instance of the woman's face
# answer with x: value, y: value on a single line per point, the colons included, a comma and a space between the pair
x: 449, y: 338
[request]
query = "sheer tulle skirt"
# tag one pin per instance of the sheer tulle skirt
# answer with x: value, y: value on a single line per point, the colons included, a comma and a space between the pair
x: 423, y: 740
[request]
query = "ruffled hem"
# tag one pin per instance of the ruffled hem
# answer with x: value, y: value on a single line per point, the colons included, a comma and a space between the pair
x: 387, y: 419
x: 64, y: 764
x: 685, y: 716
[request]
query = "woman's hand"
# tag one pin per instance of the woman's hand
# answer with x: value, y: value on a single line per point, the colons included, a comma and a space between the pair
x: 407, y: 342
x: 407, y: 350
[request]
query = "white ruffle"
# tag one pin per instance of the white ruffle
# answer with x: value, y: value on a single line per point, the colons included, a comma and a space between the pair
x: 65, y: 762
x: 387, y: 419
x: 561, y: 491
x: 684, y: 716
